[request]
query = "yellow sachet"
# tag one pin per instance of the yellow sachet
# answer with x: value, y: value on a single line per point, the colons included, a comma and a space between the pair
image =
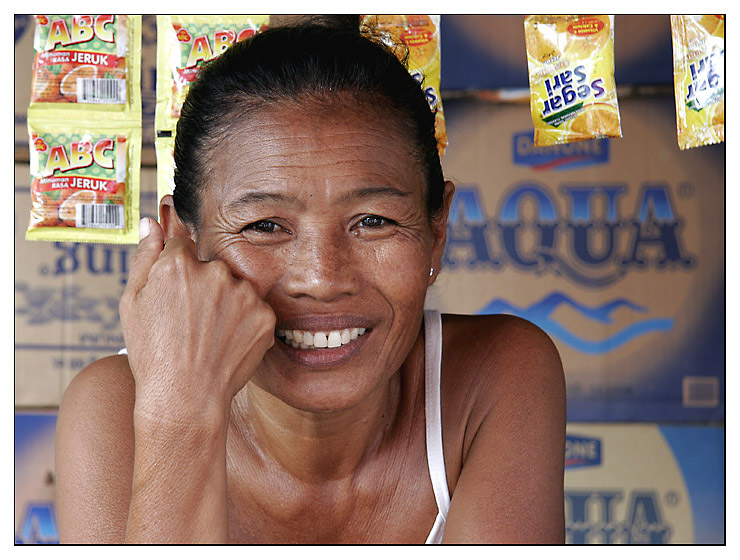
x: 84, y: 127
x: 570, y: 61
x: 85, y: 181
x: 699, y: 78
x: 184, y: 44
x: 417, y: 36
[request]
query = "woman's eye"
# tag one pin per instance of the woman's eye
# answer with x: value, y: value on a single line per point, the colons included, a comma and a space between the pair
x: 264, y: 226
x: 374, y: 221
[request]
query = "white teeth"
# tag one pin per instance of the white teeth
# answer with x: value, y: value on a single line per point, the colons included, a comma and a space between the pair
x: 308, y: 340
x: 320, y: 340
x: 334, y: 340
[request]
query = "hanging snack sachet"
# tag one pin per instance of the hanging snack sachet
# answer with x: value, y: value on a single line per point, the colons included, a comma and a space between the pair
x: 417, y: 36
x: 184, y: 44
x: 573, y: 94
x: 699, y: 78
x: 84, y: 182
x: 84, y: 125
x: 87, y: 59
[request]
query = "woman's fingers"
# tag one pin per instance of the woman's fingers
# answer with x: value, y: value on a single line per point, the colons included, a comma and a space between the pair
x: 151, y: 243
x: 192, y: 328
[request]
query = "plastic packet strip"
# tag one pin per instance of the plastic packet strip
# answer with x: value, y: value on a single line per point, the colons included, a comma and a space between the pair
x: 417, y: 36
x: 570, y: 60
x: 84, y: 128
x: 699, y: 78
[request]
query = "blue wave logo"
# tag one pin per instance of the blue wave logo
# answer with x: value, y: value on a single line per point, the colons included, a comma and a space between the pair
x: 582, y: 452
x: 560, y: 156
x: 540, y: 314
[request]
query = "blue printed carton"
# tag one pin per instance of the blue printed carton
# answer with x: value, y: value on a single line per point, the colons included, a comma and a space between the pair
x: 615, y: 247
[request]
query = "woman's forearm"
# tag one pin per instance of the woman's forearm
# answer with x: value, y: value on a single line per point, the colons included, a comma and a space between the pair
x: 179, y: 481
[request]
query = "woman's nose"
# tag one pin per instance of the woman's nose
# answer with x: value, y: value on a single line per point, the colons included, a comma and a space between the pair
x: 322, y: 267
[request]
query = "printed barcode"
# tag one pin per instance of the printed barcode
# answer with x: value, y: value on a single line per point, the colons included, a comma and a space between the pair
x: 701, y: 392
x: 101, y: 90
x: 104, y: 216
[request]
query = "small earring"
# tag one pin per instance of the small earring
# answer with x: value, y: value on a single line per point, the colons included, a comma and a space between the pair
x: 431, y: 272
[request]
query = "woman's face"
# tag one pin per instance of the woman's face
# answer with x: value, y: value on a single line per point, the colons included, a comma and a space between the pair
x: 323, y: 210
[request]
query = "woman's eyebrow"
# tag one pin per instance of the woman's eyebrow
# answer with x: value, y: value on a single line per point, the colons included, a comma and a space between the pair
x: 375, y: 192
x: 363, y: 193
x: 255, y: 197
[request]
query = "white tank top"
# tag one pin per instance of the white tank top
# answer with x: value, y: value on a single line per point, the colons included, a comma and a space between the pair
x: 433, y: 413
x: 433, y: 410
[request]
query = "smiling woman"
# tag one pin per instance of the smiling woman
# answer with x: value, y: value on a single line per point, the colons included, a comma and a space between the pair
x: 283, y: 382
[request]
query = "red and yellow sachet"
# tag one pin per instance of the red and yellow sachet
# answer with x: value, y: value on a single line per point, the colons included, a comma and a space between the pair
x: 184, y: 44
x: 84, y: 128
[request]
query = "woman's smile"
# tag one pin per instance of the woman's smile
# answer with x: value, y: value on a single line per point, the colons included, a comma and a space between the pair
x: 321, y: 341
x: 321, y: 349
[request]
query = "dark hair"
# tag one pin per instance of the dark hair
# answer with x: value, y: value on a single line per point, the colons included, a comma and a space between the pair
x: 292, y: 64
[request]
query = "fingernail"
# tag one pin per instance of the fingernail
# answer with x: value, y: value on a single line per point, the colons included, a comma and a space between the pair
x: 144, y: 228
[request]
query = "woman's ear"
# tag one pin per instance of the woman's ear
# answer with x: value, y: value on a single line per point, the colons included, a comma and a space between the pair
x: 439, y: 227
x: 171, y: 224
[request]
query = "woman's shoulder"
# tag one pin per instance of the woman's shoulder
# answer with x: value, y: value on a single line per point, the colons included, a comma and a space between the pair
x: 499, y: 366
x: 503, y: 415
x: 504, y: 343
x: 104, y: 383
x: 97, y: 406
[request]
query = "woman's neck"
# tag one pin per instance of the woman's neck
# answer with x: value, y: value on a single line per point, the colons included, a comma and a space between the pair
x: 316, y: 447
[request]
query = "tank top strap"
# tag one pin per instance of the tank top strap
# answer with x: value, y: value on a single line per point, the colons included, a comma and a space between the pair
x: 433, y: 411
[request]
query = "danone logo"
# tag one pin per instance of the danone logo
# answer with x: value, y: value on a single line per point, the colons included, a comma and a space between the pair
x: 582, y: 452
x: 559, y: 156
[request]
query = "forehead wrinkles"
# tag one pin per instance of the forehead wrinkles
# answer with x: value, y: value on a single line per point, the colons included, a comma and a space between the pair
x: 295, y: 136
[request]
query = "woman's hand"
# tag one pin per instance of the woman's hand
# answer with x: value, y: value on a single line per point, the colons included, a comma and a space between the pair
x: 194, y: 333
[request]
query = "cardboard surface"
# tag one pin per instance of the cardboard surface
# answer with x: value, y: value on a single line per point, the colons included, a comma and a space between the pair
x: 615, y: 247
x: 66, y: 301
x: 644, y: 484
